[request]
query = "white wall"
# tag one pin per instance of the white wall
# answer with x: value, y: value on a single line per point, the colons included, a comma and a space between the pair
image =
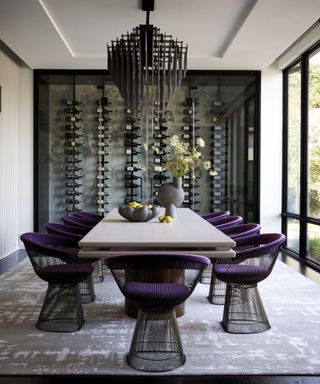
x: 271, y: 150
x: 16, y: 124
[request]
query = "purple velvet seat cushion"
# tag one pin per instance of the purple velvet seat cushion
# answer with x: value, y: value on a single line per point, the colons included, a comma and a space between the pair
x: 65, y: 273
x: 155, y: 294
x: 239, y: 273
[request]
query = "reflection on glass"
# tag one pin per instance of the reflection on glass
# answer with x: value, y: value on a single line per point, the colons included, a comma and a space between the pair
x: 294, y: 138
x: 314, y: 135
x: 313, y: 245
x: 293, y: 235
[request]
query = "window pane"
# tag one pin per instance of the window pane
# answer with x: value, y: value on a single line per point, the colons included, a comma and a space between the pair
x: 293, y: 235
x: 314, y: 135
x: 294, y: 137
x: 314, y: 242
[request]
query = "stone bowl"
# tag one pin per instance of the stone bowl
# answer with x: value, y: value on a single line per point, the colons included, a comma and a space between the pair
x: 139, y: 214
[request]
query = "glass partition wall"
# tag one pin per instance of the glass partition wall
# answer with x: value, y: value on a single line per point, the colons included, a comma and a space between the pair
x: 301, y: 186
x: 90, y: 151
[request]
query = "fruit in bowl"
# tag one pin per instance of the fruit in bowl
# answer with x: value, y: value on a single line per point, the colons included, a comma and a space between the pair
x: 139, y: 212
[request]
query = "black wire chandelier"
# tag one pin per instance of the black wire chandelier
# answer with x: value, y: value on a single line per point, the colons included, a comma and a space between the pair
x: 147, y: 66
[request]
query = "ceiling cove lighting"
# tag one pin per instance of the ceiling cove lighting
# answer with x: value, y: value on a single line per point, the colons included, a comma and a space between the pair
x: 147, y: 66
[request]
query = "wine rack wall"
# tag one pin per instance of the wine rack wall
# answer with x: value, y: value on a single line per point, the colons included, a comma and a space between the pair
x: 92, y: 151
x: 73, y: 155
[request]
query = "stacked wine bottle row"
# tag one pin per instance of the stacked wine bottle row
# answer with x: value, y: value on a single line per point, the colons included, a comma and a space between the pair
x: 133, y: 145
x: 159, y: 143
x: 103, y: 112
x: 190, y: 135
x: 219, y: 159
x: 73, y: 155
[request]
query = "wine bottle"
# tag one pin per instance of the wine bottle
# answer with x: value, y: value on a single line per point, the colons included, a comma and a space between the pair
x: 102, y: 185
x: 188, y: 128
x: 131, y: 177
x: 72, y: 127
x: 131, y: 127
x: 160, y: 128
x: 73, y: 193
x: 72, y: 152
x: 102, y: 177
x: 158, y: 168
x: 74, y: 111
x: 160, y: 177
x: 73, y: 102
x: 159, y: 144
x: 102, y: 169
x: 72, y: 135
x: 72, y: 118
x: 130, y: 151
x: 72, y: 185
x: 70, y: 168
x: 157, y: 160
x: 132, y: 144
x: 131, y: 136
x: 132, y: 185
x: 129, y: 168
x: 160, y: 136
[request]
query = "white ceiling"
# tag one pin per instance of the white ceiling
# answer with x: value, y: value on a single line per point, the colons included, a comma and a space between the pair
x: 228, y: 34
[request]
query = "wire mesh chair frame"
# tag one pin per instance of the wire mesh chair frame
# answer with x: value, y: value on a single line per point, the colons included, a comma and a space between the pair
x: 67, y: 249
x: 254, y: 261
x: 61, y: 310
x: 156, y: 283
x: 220, y: 223
x: 217, y: 289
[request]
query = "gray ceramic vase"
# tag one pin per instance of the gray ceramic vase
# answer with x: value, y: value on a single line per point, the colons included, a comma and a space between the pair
x: 171, y: 196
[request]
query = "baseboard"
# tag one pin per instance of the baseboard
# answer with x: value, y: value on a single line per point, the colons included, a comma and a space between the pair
x: 11, y: 260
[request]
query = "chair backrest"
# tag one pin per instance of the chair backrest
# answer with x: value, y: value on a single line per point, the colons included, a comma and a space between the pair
x: 226, y: 221
x: 242, y: 230
x: 156, y: 268
x: 44, y: 249
x: 88, y: 215
x: 215, y: 215
x: 69, y: 231
x: 259, y: 250
x: 78, y: 222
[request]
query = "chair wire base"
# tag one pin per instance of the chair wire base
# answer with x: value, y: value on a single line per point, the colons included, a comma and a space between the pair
x: 243, y: 310
x: 156, y: 345
x: 98, y: 275
x: 206, y: 275
x: 217, y: 291
x: 61, y: 309
x: 87, y: 291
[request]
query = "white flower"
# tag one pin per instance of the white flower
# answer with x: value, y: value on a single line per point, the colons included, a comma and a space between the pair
x: 200, y: 142
x: 197, y: 155
x: 213, y: 173
x: 145, y: 146
x: 174, y: 141
x: 206, y: 165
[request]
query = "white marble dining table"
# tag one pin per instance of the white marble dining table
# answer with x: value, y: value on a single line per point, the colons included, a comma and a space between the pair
x: 188, y: 233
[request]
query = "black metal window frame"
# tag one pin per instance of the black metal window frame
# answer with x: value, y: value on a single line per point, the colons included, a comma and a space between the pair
x: 303, y: 217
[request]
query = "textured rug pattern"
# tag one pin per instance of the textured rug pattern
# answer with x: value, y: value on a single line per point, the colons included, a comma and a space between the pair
x: 292, y: 346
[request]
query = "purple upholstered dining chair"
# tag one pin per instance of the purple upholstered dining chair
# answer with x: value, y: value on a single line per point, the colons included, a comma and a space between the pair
x: 69, y: 249
x: 215, y: 215
x: 217, y: 287
x: 156, y: 283
x: 76, y: 233
x: 78, y: 222
x: 220, y: 223
x: 88, y: 215
x: 72, y: 232
x: 254, y: 261
x: 226, y: 222
x: 62, y: 308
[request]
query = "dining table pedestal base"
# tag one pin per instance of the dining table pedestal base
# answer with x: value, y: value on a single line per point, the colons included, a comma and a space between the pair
x: 131, y: 309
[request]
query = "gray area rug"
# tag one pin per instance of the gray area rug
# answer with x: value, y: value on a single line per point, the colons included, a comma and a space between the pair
x: 292, y: 345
